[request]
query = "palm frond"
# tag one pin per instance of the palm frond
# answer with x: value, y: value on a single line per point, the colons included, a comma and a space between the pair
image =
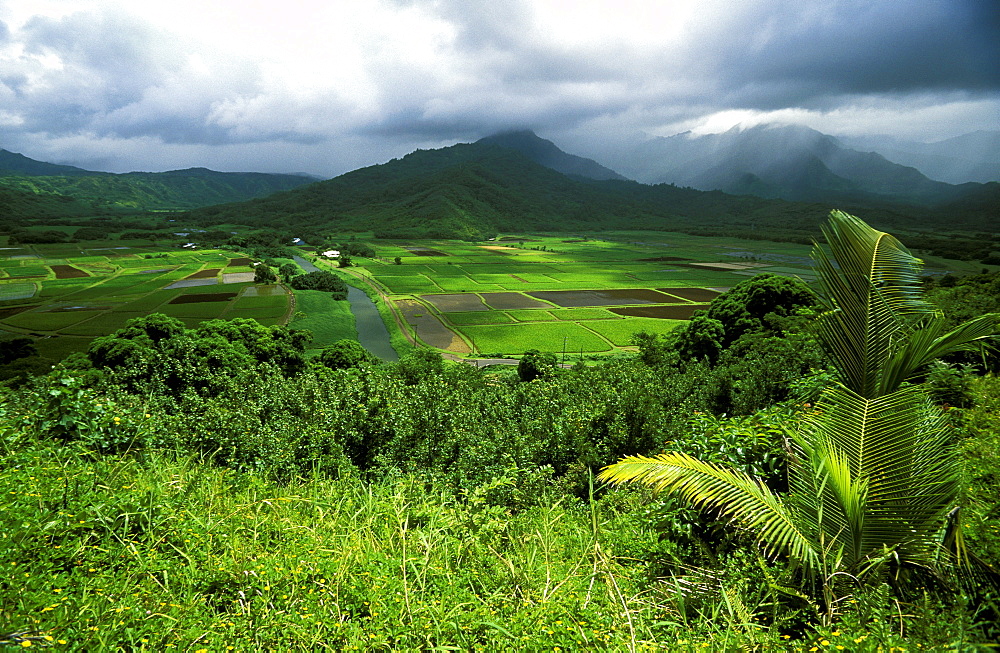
x: 901, y: 470
x: 734, y: 494
x: 871, y: 288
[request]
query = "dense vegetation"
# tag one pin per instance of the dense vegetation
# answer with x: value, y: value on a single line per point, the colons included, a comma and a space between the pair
x: 212, y: 487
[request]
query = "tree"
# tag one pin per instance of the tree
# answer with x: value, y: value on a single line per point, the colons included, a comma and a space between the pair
x: 345, y: 354
x: 535, y: 365
x: 264, y: 274
x: 288, y: 270
x: 13, y: 348
x: 320, y: 280
x: 345, y: 261
x: 397, y: 261
x: 873, y: 478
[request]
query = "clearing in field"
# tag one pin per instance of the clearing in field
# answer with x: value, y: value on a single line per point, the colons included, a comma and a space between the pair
x: 237, y: 277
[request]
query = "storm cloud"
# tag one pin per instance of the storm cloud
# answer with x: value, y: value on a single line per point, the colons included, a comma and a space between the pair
x: 326, y: 88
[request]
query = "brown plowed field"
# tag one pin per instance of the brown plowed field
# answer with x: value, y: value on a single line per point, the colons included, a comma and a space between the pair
x: 505, y: 301
x: 456, y: 302
x: 203, y: 297
x: 430, y: 329
x: 677, y: 312
x: 205, y: 274
x: 68, y: 272
x: 576, y: 298
x: 692, y: 294
x: 238, y: 262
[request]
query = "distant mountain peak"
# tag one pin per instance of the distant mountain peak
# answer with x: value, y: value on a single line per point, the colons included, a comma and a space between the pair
x: 546, y: 153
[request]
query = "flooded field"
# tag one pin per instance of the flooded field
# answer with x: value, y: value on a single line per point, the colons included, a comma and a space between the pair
x: 430, y: 329
x: 503, y: 301
x: 271, y: 290
x: 700, y: 295
x: 455, y: 303
x: 192, y: 283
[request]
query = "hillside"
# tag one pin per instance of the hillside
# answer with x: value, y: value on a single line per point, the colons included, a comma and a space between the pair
x: 476, y: 190
x: 174, y: 190
x: 545, y: 152
x: 17, y: 205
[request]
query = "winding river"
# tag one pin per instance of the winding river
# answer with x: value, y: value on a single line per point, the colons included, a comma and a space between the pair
x: 372, y: 333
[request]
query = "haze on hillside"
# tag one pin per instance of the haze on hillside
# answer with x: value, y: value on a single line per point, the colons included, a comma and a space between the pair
x: 294, y: 87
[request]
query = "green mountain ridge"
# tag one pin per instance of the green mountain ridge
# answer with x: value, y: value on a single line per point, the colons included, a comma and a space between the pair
x: 140, y: 191
x: 474, y: 191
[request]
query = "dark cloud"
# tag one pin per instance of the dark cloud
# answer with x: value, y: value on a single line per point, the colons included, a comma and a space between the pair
x: 796, y: 55
x: 494, y: 68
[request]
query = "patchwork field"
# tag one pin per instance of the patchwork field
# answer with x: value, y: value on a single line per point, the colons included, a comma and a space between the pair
x: 63, y: 293
x: 582, y: 295
x: 556, y: 293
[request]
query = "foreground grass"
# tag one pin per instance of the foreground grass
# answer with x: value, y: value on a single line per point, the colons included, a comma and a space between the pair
x: 153, y: 551
x: 173, y: 554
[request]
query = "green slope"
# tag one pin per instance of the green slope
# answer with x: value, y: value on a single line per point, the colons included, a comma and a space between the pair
x: 174, y: 190
x: 475, y: 190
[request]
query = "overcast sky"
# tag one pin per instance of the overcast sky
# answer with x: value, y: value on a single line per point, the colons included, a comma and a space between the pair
x: 328, y: 86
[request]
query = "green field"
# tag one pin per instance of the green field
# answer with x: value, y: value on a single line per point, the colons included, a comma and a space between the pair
x: 119, y: 284
x: 620, y: 261
x: 127, y: 279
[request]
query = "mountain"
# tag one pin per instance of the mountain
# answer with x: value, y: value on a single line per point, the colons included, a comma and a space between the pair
x: 969, y: 157
x: 12, y: 163
x: 18, y: 205
x: 547, y: 154
x: 476, y: 190
x: 789, y: 162
x: 173, y: 190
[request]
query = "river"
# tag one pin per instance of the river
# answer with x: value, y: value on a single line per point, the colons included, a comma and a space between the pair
x: 372, y: 333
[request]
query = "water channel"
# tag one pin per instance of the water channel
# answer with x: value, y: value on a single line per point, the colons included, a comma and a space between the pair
x: 372, y: 333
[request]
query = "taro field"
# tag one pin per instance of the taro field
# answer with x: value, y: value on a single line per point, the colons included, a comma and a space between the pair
x: 559, y: 293
x: 71, y: 294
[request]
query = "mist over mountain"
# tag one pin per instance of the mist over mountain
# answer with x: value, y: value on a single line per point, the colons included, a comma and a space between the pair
x: 969, y: 157
x: 788, y: 162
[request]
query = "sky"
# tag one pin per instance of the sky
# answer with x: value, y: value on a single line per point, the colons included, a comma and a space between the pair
x: 324, y: 87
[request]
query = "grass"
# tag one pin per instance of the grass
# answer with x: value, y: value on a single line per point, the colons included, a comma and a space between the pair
x: 620, y: 332
x: 547, y: 336
x: 162, y: 553
x: 478, y: 317
x: 328, y: 319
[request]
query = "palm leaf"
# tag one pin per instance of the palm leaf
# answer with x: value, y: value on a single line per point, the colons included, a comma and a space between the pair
x: 734, y: 494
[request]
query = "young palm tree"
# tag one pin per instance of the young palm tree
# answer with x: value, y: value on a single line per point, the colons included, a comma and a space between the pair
x: 872, y: 475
